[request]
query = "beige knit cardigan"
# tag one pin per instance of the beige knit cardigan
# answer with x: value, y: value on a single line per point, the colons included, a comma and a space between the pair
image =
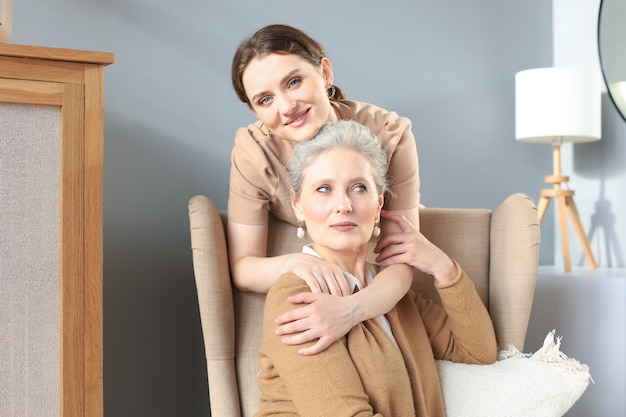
x: 363, y: 374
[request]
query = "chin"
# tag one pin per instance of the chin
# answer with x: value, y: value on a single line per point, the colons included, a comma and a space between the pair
x: 348, y: 246
x: 306, y: 133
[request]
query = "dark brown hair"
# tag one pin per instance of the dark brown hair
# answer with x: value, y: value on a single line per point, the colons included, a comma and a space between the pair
x: 279, y: 39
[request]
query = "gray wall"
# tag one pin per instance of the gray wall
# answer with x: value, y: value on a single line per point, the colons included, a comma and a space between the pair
x: 171, y: 114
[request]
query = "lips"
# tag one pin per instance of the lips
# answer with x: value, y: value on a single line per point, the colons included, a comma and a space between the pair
x: 343, y: 226
x: 298, y: 119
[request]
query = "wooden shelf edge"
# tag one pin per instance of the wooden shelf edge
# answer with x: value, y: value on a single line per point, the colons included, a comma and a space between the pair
x: 56, y: 54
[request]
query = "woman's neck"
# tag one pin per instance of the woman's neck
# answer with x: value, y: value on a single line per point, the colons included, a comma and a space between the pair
x: 352, y: 262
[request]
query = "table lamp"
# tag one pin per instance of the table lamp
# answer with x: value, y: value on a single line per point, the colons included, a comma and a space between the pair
x: 555, y: 105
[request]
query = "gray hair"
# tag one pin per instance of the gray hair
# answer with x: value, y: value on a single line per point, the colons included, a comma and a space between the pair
x: 345, y: 134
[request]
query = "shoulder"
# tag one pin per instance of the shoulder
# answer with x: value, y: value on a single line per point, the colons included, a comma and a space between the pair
x: 378, y: 119
x: 287, y: 284
x: 247, y: 152
x: 250, y: 133
x: 253, y: 143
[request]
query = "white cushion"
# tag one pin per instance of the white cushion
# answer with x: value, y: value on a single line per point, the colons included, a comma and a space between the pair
x: 546, y: 383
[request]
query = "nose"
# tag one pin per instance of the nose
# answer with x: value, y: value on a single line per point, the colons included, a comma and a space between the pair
x: 344, y: 204
x: 287, y: 104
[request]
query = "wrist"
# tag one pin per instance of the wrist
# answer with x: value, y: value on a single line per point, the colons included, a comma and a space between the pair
x: 357, y: 307
x: 446, y: 273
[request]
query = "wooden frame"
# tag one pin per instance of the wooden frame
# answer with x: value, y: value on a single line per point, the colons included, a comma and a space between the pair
x: 74, y: 81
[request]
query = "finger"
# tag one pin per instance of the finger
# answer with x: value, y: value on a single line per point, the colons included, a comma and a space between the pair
x: 299, y: 338
x: 345, y: 288
x: 341, y: 284
x: 388, y: 240
x: 321, y: 345
x: 334, y: 287
x: 292, y: 315
x: 313, y: 283
x: 304, y: 298
x: 292, y: 328
x: 395, y: 247
x: 401, y: 258
x: 404, y: 223
x: 321, y: 282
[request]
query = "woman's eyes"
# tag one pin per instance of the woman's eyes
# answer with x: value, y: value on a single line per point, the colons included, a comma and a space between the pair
x: 265, y: 100
x: 357, y: 188
x: 293, y: 82
x: 323, y: 189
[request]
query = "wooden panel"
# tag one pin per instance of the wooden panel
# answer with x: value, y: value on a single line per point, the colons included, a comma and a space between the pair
x: 93, y: 239
x: 28, y: 92
x: 56, y: 54
x: 41, y: 70
x: 72, y: 252
x: 73, y: 80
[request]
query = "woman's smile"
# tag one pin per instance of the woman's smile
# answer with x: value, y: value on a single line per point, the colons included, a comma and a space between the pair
x: 298, y: 120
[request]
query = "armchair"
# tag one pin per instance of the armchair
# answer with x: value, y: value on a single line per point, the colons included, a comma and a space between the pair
x: 499, y: 249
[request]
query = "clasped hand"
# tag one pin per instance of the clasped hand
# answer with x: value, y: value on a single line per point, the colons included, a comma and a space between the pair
x: 325, y: 317
x: 411, y: 247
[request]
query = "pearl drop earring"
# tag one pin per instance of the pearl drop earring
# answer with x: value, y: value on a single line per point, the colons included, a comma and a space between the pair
x: 300, y: 231
x: 376, y: 231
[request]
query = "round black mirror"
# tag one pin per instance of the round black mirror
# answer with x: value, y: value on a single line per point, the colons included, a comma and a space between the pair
x: 612, y: 50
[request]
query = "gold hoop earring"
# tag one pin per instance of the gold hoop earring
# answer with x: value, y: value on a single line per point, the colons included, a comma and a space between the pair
x: 331, y: 92
x: 300, y: 230
x: 266, y: 134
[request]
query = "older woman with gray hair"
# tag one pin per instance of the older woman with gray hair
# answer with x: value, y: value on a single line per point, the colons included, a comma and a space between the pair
x: 384, y: 366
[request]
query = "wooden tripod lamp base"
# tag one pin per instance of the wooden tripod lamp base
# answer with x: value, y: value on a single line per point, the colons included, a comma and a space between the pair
x: 553, y: 105
x: 565, y: 205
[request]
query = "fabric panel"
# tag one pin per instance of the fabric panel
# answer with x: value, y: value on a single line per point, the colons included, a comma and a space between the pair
x: 464, y: 235
x: 515, y: 238
x: 30, y: 260
x: 215, y: 301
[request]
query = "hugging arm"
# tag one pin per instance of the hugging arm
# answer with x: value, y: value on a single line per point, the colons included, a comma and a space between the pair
x: 326, y: 384
x: 253, y: 270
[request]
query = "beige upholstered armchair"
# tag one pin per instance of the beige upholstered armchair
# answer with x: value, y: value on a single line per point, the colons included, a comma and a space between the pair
x: 499, y: 249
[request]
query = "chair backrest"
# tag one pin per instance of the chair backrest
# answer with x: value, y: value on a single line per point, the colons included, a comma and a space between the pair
x: 499, y: 249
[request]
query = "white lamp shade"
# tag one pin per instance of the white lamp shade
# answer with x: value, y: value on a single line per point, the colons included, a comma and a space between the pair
x: 558, y: 104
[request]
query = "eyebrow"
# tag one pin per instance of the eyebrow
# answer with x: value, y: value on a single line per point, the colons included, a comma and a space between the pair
x: 282, y: 81
x: 355, y: 180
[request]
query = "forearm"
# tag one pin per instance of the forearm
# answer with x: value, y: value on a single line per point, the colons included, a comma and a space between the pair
x: 389, y: 286
x: 257, y: 273
x: 469, y: 322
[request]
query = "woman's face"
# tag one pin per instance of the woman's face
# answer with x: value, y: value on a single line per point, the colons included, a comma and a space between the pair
x: 288, y: 94
x: 339, y: 202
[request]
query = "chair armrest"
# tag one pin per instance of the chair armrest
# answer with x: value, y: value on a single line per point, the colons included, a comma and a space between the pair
x: 515, y: 237
x: 215, y: 299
